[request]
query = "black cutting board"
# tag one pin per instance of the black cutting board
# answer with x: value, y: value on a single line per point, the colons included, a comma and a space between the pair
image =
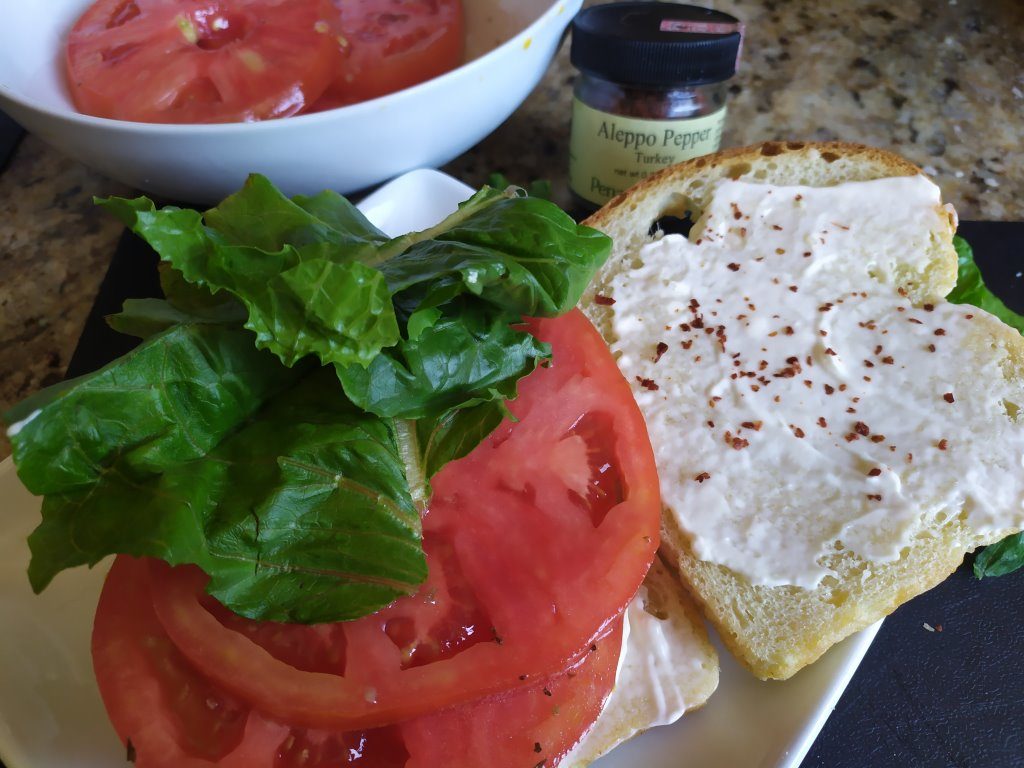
x: 920, y: 698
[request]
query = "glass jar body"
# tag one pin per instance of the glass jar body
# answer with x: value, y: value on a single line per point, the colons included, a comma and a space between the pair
x: 622, y: 133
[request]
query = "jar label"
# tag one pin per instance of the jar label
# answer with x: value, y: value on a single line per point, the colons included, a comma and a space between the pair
x: 610, y: 153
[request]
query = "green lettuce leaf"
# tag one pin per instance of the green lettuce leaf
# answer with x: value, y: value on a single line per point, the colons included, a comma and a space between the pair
x: 971, y: 289
x: 1001, y: 558
x: 294, y: 393
x: 1007, y: 555
x: 465, y: 356
x: 196, y: 447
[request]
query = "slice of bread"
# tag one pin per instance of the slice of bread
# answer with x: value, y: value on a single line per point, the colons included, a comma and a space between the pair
x: 669, y: 667
x: 777, y: 629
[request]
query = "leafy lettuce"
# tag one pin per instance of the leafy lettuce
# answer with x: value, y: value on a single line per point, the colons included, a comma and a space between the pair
x: 292, y: 396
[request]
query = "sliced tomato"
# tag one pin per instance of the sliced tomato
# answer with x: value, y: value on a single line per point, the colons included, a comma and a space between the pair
x: 168, y: 61
x: 171, y: 716
x: 388, y: 45
x: 535, y: 543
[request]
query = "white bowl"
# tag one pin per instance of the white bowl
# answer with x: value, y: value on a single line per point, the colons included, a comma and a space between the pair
x: 509, y: 45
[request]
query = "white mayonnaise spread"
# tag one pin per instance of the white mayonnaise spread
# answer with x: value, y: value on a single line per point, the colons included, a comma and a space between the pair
x: 797, y: 401
x: 656, y: 662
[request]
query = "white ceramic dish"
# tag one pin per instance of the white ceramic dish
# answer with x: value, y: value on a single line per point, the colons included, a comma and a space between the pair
x: 509, y: 45
x: 51, y: 715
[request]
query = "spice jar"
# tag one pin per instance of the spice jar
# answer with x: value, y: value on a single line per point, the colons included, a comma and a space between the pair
x: 651, y: 91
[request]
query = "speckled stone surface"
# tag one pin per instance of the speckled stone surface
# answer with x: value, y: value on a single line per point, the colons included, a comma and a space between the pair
x: 940, y: 82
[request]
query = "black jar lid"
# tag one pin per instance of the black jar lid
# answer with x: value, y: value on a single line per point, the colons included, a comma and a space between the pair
x: 649, y: 43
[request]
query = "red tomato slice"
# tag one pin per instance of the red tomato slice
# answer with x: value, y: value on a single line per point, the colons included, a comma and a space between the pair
x: 173, y: 717
x: 168, y: 61
x: 535, y: 543
x: 388, y: 45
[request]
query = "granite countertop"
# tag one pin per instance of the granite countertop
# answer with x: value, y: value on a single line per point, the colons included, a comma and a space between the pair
x: 940, y: 82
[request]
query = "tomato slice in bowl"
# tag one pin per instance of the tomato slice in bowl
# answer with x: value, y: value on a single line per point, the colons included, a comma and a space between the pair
x: 388, y: 45
x: 164, y: 61
x: 171, y: 716
x: 535, y: 543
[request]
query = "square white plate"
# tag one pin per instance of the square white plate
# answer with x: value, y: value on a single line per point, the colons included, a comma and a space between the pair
x: 51, y: 715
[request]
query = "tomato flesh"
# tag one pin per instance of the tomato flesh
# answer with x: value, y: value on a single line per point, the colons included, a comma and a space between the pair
x: 174, y: 717
x: 535, y: 542
x: 164, y: 61
x: 389, y: 45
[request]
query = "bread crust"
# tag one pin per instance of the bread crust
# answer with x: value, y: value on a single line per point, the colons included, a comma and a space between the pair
x: 775, y: 631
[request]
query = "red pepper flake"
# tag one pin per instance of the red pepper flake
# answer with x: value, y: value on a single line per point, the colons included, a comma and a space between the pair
x: 910, y: 458
x: 754, y: 388
x: 808, y: 383
x: 822, y: 333
x: 686, y: 344
x: 793, y: 288
x: 940, y: 331
x: 660, y: 350
x: 830, y: 351
x: 733, y: 266
x: 788, y: 330
x: 887, y: 360
x: 754, y: 425
x: 878, y: 349
x: 822, y: 423
x: 797, y: 431
x: 878, y: 438
x: 930, y: 347
x: 875, y: 496
x: 799, y: 197
x: 605, y: 301
x: 826, y: 306
x: 829, y: 389
x: 928, y: 307
x: 851, y: 409
x: 943, y: 444
x: 780, y: 251
x: 698, y: 322
x: 874, y: 472
x: 711, y: 424
x: 901, y: 291
x: 869, y: 364
x: 696, y: 359
x: 736, y: 212
x: 776, y: 227
x: 851, y: 436
x: 969, y: 317
x: 861, y: 429
x: 867, y: 378
x: 807, y: 254
x: 647, y: 384
x: 776, y: 399
x: 702, y: 477
x: 914, y: 320
x: 948, y: 397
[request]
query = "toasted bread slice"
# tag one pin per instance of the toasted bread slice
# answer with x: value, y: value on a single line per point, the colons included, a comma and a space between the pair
x: 669, y: 667
x: 776, y: 629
